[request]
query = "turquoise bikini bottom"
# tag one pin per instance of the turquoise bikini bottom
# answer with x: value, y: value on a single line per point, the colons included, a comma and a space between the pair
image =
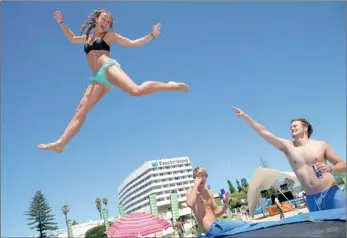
x: 100, y: 76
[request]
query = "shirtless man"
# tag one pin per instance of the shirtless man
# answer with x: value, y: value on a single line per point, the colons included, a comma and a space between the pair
x: 180, y: 228
x: 302, y: 153
x: 205, y: 209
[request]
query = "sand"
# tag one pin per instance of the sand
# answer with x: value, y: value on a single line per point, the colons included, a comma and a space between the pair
x: 260, y: 218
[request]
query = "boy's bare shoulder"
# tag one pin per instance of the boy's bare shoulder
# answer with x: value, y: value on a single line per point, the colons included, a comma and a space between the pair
x: 318, y: 142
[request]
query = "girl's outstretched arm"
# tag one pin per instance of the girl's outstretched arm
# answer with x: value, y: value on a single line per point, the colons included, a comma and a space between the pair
x: 116, y: 38
x: 68, y: 33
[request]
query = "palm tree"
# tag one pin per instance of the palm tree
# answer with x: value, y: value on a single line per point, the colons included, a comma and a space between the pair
x: 65, y: 209
x: 105, y: 202
x: 98, y: 206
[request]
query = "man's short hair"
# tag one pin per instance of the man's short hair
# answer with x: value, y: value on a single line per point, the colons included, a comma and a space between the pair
x: 305, y: 123
x: 199, y: 171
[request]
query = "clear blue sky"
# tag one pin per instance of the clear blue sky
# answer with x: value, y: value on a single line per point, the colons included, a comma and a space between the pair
x: 277, y: 61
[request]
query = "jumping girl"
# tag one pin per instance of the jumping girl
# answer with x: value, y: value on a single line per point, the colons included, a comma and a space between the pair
x: 107, y: 71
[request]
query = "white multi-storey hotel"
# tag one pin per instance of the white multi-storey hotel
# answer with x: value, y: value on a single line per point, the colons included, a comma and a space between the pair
x: 161, y: 177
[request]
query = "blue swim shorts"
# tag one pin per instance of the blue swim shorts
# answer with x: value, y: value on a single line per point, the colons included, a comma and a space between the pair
x: 227, y: 228
x: 330, y: 198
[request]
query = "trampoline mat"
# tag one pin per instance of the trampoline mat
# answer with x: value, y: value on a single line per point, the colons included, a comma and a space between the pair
x: 301, y: 229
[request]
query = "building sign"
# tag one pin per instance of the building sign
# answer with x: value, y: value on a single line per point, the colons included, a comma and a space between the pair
x: 160, y: 163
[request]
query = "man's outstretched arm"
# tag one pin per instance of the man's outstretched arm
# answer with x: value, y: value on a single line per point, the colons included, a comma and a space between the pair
x: 277, y: 142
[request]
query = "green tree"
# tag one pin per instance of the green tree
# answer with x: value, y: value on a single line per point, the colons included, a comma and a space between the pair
x: 74, y: 223
x: 271, y: 191
x: 231, y: 187
x: 239, y: 188
x: 98, y: 206
x: 65, y: 209
x: 244, y: 183
x: 96, y: 232
x: 246, y: 190
x: 290, y: 184
x: 40, y: 215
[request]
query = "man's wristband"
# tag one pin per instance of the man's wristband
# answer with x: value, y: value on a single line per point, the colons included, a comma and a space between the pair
x: 153, y: 35
x: 61, y: 22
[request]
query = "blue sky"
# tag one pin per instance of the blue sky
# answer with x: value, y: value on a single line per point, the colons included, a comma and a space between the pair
x: 277, y: 61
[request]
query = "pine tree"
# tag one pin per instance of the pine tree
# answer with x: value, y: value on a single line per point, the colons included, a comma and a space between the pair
x: 244, y: 183
x: 40, y: 215
x: 231, y: 187
x: 239, y: 188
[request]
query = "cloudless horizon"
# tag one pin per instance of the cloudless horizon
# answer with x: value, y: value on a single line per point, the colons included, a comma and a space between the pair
x: 276, y: 61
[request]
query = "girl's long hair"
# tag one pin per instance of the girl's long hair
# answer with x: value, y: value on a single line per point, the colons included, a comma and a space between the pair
x: 90, y: 23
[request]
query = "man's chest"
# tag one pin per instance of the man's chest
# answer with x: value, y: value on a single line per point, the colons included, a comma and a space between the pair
x: 308, y: 154
x: 204, y: 199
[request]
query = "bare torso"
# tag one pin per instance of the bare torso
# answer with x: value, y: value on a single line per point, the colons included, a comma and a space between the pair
x: 301, y: 159
x: 180, y: 226
x: 96, y: 58
x: 203, y: 210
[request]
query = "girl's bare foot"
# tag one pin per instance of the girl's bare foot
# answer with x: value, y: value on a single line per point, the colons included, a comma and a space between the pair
x: 180, y: 86
x: 57, y: 146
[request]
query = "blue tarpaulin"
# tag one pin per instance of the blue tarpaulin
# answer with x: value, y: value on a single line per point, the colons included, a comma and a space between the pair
x: 312, y: 217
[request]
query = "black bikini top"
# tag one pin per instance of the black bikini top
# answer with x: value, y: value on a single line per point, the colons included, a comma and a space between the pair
x: 98, y: 44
